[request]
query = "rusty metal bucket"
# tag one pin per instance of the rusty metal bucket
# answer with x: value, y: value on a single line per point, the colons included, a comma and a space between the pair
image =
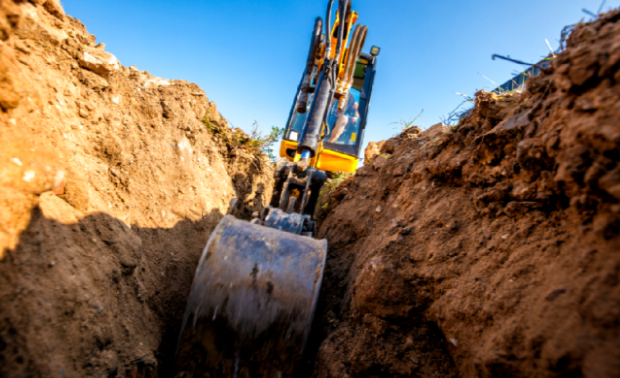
x: 251, y: 304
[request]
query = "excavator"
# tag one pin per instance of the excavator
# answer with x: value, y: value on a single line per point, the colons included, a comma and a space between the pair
x: 257, y: 284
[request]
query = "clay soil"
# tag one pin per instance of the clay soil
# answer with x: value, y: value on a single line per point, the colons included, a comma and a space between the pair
x: 111, y: 182
x: 490, y: 249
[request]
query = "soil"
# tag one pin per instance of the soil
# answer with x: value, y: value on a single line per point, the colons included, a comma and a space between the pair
x: 486, y: 249
x: 111, y: 181
x: 489, y: 249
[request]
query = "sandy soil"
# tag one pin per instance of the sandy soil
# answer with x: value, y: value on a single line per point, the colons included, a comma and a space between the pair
x: 490, y: 249
x: 110, y: 185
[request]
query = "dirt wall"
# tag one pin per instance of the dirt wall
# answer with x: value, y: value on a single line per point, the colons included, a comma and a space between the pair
x: 488, y: 249
x: 111, y: 181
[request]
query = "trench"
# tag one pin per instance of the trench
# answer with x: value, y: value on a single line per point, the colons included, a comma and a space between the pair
x: 484, y: 249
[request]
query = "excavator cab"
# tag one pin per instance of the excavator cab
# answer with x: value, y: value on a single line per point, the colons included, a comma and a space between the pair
x: 340, y: 149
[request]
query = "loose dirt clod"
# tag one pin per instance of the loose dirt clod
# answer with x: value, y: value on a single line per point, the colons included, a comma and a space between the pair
x: 110, y: 185
x: 496, y: 253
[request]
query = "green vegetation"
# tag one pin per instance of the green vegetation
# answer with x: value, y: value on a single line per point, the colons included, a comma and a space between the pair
x: 207, y: 122
x: 334, y: 182
x: 255, y: 141
x: 331, y: 184
x: 406, y: 125
x: 265, y: 143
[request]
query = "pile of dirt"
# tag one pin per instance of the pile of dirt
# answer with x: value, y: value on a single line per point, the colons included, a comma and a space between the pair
x: 490, y: 248
x: 111, y: 181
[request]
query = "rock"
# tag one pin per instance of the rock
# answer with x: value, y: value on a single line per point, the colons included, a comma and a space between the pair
x: 379, y: 162
x: 156, y: 82
x: 515, y: 122
x: 93, y: 80
x: 520, y: 208
x: 436, y: 130
x: 390, y: 145
x: 411, y: 132
x: 54, y: 7
x: 373, y: 149
x: 611, y: 182
x: 98, y: 61
x: 167, y: 110
x: 554, y: 294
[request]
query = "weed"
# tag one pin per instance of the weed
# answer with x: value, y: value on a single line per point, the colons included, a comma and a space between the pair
x: 331, y: 184
x: 207, y: 122
x: 455, y: 116
x: 406, y: 125
x: 433, y: 140
x: 334, y: 182
x: 265, y: 143
x: 255, y: 141
x: 326, y: 206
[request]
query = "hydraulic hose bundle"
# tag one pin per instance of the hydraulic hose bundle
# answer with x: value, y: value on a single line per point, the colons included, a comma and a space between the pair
x: 326, y: 88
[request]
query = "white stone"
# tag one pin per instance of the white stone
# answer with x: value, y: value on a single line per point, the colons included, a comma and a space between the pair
x: 156, y: 82
x: 98, y: 61
x: 29, y: 176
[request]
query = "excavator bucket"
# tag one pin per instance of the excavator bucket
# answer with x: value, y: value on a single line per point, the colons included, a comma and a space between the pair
x: 251, y: 304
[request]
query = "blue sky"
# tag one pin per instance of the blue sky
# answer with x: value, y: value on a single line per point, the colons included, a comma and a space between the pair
x: 249, y: 55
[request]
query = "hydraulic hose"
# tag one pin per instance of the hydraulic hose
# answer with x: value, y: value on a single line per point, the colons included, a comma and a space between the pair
x: 356, y: 50
x: 326, y: 88
x: 328, y: 29
x: 341, y: 26
x: 343, y: 6
x: 350, y: 61
x: 302, y: 101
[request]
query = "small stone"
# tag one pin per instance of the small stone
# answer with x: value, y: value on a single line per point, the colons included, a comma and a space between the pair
x: 99, y: 62
x: 554, y: 294
x: 51, y: 264
x: 17, y: 161
x: 28, y: 176
x: 406, y: 231
x: 379, y: 209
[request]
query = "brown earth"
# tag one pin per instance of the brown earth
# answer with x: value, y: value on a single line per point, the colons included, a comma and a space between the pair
x: 487, y: 249
x: 490, y: 249
x: 110, y: 185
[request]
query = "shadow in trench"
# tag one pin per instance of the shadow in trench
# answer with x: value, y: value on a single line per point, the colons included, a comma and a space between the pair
x: 96, y: 297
